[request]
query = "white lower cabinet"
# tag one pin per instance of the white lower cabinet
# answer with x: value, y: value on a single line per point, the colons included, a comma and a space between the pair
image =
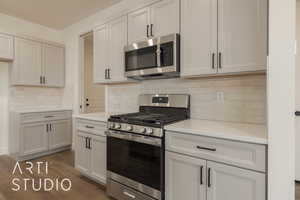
x: 34, y: 138
x: 59, y: 134
x: 232, y: 183
x: 34, y: 134
x: 90, y: 153
x: 197, y: 179
x: 185, y: 177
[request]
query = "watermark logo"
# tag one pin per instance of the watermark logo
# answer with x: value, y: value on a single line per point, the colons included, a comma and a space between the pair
x: 38, y: 184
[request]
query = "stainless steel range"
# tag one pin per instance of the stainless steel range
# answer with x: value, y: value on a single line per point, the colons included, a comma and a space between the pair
x: 136, y: 146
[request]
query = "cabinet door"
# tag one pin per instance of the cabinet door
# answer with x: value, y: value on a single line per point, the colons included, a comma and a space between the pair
x: 54, y: 65
x: 185, y: 177
x: 82, y: 153
x: 27, y: 66
x: 242, y: 35
x: 100, y: 54
x: 33, y: 138
x: 137, y: 25
x: 59, y: 134
x: 6, y: 47
x: 117, y: 42
x: 98, y: 158
x: 232, y: 183
x: 165, y: 18
x: 198, y: 37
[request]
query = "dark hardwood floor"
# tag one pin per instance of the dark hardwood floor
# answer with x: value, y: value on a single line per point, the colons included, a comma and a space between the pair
x: 61, y: 165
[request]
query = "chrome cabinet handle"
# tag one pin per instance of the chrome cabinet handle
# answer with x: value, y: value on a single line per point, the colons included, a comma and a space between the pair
x: 87, y: 126
x: 47, y: 128
x: 49, y: 116
x: 206, y: 148
x: 129, y: 195
x: 41, y: 80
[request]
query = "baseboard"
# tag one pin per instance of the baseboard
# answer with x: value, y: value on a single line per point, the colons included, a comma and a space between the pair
x: 3, y: 151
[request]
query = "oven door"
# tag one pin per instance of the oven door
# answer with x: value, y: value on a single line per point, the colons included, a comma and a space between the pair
x: 136, y: 161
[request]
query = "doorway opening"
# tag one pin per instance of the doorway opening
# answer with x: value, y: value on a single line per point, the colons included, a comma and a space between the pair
x: 92, y: 98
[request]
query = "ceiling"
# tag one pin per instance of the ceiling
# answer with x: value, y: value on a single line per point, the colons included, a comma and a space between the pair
x: 56, y: 14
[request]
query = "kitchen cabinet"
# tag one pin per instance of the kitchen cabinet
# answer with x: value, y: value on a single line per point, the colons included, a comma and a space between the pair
x: 59, y: 134
x: 38, y: 64
x: 109, y: 42
x: 185, y: 177
x: 34, y: 138
x: 53, y: 65
x: 205, y: 168
x: 159, y: 19
x: 34, y: 134
x: 223, y: 37
x: 90, y: 150
x: 27, y: 65
x: 232, y: 183
x: 82, y: 155
x: 6, y: 47
x: 138, y: 25
x: 197, y: 179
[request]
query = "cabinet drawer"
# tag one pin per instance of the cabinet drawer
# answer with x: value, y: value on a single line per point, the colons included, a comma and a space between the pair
x: 97, y: 128
x: 250, y: 156
x: 45, y: 116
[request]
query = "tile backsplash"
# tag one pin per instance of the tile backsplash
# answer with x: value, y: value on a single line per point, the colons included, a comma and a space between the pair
x: 234, y: 98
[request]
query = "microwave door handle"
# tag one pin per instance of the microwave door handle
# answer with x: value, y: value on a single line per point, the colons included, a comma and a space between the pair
x: 158, y: 55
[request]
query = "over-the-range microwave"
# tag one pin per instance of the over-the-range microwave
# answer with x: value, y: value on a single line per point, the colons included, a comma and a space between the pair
x: 154, y: 58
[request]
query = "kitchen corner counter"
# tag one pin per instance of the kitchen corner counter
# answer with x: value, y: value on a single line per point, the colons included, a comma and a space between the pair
x: 100, y: 117
x: 250, y: 133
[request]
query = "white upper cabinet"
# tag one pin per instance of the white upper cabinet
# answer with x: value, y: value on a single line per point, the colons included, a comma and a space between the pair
x: 231, y: 183
x: 117, y: 42
x: 223, y: 36
x: 242, y: 35
x: 139, y: 25
x: 109, y: 42
x: 54, y: 65
x: 6, y: 47
x: 165, y: 18
x: 100, y: 54
x: 27, y: 66
x: 198, y: 37
x: 38, y: 64
x: 159, y: 19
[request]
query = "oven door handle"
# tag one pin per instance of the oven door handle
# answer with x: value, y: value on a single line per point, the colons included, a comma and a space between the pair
x: 128, y: 194
x: 135, y: 138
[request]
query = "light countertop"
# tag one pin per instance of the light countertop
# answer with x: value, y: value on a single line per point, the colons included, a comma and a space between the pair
x: 251, y: 133
x: 41, y: 109
x: 100, y: 117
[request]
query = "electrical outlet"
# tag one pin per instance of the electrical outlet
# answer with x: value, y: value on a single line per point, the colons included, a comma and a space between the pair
x: 220, y: 97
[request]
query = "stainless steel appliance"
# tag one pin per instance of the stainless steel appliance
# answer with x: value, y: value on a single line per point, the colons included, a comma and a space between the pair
x: 136, y: 147
x: 153, y: 58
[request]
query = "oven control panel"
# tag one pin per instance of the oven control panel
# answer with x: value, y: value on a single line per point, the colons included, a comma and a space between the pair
x: 150, y: 131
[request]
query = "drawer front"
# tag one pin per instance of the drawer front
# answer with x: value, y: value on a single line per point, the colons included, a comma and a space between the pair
x: 250, y: 156
x: 92, y: 127
x: 45, y: 116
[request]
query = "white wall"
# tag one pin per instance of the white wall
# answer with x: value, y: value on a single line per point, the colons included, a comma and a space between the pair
x: 281, y: 100
x: 14, y: 97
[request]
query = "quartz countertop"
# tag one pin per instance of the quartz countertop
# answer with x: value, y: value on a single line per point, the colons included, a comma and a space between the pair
x: 40, y: 109
x: 100, y: 117
x: 243, y: 132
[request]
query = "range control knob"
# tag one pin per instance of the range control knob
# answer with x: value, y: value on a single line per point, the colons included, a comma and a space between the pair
x: 117, y: 126
x: 129, y: 128
x: 149, y: 131
x: 111, y: 125
x: 142, y: 130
